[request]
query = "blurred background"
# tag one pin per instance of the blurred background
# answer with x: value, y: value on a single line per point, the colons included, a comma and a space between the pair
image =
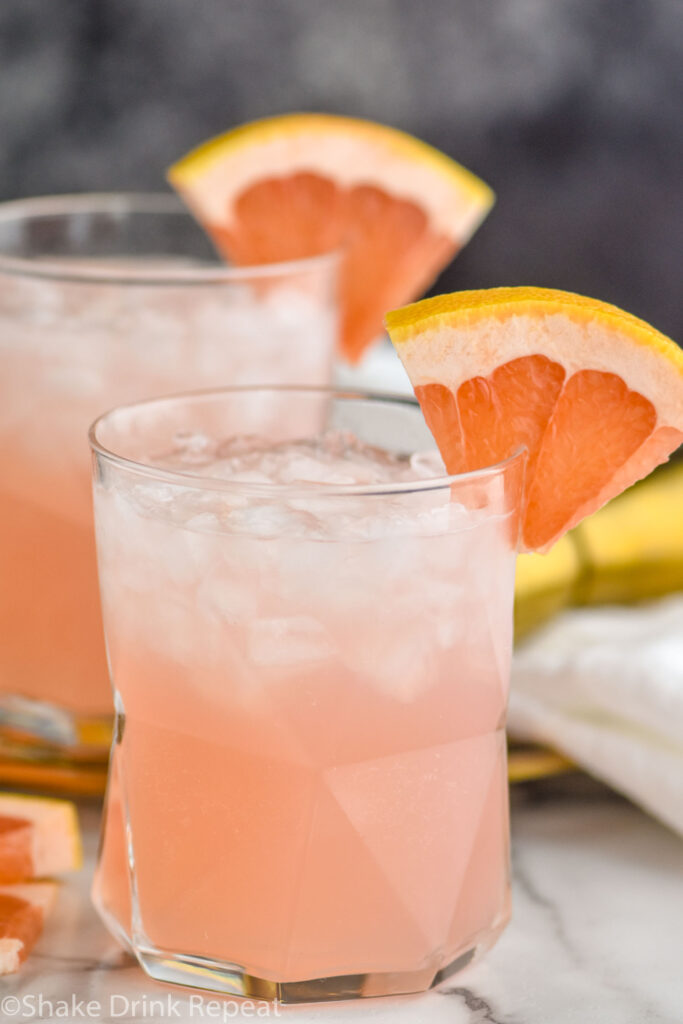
x: 571, y: 109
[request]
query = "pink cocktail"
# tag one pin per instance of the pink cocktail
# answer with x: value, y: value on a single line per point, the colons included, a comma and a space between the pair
x: 309, y: 633
x: 106, y: 299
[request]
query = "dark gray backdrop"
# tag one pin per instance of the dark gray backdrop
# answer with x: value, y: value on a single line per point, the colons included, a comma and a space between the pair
x: 571, y: 109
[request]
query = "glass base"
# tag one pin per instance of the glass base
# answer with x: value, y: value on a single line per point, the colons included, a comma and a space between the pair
x: 230, y: 979
x: 445, y: 925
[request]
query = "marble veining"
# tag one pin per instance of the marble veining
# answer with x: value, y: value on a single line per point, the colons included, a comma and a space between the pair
x: 596, y: 936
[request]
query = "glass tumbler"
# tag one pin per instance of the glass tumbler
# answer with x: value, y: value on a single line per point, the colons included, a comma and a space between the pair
x: 106, y: 299
x: 308, y: 790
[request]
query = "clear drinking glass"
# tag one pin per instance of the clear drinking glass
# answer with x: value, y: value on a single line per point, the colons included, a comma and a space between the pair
x: 106, y: 299
x: 308, y: 790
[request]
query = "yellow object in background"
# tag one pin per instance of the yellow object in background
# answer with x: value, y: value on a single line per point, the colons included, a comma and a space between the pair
x: 628, y: 551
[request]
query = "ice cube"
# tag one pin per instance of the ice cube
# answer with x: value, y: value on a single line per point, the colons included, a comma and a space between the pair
x: 288, y: 641
x: 204, y: 522
x: 396, y: 661
x: 264, y: 520
x: 428, y: 465
x: 225, y: 600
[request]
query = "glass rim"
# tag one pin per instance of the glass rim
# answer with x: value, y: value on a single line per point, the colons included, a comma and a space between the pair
x: 127, y: 203
x: 302, y: 489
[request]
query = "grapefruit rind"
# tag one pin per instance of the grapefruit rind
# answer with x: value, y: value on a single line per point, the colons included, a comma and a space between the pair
x: 350, y: 151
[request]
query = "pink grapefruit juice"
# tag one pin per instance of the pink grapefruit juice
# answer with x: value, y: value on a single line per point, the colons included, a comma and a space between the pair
x: 103, y: 300
x: 52, y: 644
x: 311, y: 691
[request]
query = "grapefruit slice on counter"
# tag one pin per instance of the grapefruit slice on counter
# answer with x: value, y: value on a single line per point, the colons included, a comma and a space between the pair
x: 23, y: 910
x: 38, y: 836
x: 300, y: 185
x: 595, y: 394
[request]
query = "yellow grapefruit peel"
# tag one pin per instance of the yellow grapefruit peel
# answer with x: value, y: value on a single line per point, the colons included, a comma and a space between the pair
x: 407, y: 147
x: 466, y: 307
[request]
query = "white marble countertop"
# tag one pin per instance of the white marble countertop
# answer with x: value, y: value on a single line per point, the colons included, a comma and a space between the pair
x: 596, y: 936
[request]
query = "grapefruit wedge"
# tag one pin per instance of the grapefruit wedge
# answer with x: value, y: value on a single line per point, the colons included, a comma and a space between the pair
x: 304, y: 184
x: 594, y: 394
x: 38, y: 836
x: 23, y: 910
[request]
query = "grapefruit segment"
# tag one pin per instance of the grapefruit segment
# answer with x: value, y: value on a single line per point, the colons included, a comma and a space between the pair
x: 597, y: 415
x: 23, y: 910
x: 254, y: 236
x: 38, y: 836
x: 593, y: 393
x: 304, y: 184
x: 16, y: 850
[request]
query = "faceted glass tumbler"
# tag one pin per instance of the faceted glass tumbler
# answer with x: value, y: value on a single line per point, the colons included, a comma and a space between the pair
x: 308, y: 788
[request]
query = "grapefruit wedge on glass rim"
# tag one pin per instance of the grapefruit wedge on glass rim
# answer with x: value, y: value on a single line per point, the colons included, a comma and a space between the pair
x: 593, y: 393
x: 299, y: 185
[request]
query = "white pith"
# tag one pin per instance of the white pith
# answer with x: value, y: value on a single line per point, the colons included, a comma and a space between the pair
x: 450, y: 355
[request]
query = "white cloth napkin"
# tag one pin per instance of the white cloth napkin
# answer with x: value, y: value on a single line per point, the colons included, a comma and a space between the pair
x: 605, y: 687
